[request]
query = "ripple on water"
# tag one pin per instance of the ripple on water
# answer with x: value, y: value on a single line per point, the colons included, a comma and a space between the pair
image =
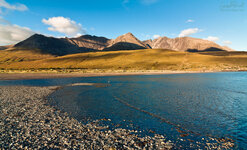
x: 209, y: 104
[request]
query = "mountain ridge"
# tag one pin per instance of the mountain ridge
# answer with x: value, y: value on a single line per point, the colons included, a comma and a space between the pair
x: 126, y: 42
x: 185, y: 44
x: 87, y: 43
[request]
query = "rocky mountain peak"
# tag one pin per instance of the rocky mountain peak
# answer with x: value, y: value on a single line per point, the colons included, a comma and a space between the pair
x: 86, y: 43
x: 126, y: 42
x: 46, y: 44
x: 185, y: 44
x: 128, y: 38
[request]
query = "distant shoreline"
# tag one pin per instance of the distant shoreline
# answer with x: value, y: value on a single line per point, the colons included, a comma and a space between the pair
x: 48, y: 75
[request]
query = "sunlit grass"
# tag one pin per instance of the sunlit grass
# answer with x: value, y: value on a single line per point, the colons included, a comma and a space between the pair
x: 148, y: 59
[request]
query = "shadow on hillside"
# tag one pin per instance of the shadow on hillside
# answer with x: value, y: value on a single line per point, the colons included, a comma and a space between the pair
x: 124, y: 46
x: 58, y: 47
x: 217, y: 52
x: 3, y: 48
x: 57, y: 51
x: 211, y: 49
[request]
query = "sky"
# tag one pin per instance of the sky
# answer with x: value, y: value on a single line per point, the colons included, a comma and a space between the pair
x: 221, y: 21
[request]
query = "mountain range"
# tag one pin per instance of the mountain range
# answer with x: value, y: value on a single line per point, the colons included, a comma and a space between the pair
x: 185, y: 44
x: 88, y: 43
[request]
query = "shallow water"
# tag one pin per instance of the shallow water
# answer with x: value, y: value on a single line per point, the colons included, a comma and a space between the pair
x: 203, y: 105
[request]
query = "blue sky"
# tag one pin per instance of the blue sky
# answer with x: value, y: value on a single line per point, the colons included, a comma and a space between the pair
x: 222, y: 21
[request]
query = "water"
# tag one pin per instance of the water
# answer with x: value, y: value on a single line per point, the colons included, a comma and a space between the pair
x: 203, y: 105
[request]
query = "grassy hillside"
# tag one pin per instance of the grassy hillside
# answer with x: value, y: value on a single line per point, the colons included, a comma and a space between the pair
x: 18, y: 55
x: 148, y: 59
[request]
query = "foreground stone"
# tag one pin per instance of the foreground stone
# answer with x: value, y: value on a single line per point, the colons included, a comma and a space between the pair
x: 28, y: 122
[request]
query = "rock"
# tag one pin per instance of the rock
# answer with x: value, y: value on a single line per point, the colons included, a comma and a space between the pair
x: 185, y: 44
x: 41, y: 126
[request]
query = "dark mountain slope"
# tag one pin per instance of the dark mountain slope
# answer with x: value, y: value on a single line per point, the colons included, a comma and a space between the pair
x: 48, y: 45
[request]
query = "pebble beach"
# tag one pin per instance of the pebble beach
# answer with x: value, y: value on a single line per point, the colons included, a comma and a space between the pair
x: 27, y: 121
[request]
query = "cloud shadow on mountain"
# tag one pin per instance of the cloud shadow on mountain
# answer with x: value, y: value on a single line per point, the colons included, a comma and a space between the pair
x: 124, y: 46
x: 211, y: 49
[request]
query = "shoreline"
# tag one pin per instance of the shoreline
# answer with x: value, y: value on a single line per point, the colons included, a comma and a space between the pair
x: 28, y: 121
x: 52, y: 75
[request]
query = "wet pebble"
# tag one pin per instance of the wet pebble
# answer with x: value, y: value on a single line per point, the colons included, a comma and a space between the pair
x: 28, y: 122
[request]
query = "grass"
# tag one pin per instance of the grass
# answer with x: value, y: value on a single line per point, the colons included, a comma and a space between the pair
x: 148, y: 59
x: 12, y: 55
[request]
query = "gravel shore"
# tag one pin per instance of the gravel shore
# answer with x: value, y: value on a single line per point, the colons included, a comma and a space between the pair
x: 28, y: 122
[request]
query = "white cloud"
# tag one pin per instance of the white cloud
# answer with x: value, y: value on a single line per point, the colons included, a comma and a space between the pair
x: 3, y: 21
x: 227, y: 42
x: 20, y: 7
x: 212, y: 38
x: 64, y: 25
x: 11, y: 34
x: 77, y: 35
x: 189, y: 21
x: 92, y: 29
x: 148, y: 2
x: 156, y: 36
x: 188, y: 32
